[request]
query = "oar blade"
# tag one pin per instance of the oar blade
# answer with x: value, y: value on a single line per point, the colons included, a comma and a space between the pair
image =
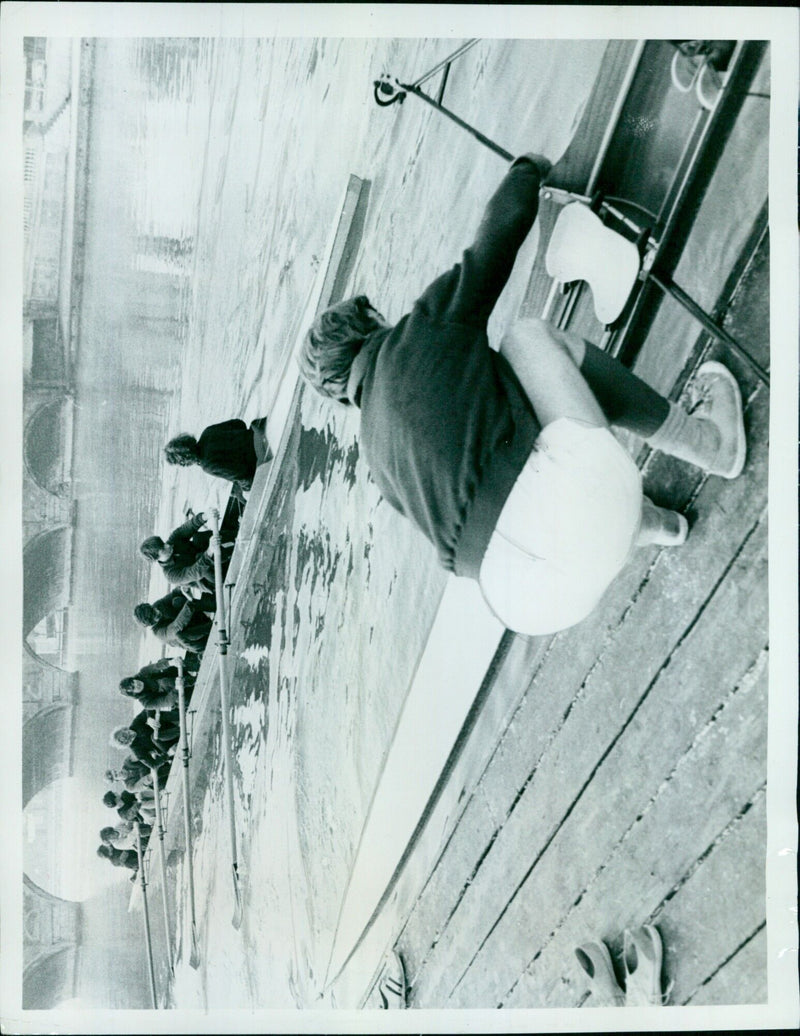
x: 238, y: 909
x: 194, y: 956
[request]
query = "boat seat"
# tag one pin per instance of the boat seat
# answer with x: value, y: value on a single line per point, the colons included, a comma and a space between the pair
x: 583, y: 248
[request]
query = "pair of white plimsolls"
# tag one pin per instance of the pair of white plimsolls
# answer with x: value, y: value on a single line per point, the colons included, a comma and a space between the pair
x: 641, y: 958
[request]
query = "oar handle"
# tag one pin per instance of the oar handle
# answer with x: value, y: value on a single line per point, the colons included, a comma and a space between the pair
x: 216, y: 543
x: 180, y: 686
x: 187, y: 818
x: 146, y: 913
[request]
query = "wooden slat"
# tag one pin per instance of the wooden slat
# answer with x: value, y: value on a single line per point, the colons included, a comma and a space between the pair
x: 740, y: 980
x: 711, y: 917
x: 433, y: 908
x: 748, y: 314
x: 668, y: 596
x: 474, y: 829
x: 715, y: 778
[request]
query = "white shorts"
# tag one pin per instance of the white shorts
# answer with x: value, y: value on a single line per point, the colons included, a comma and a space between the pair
x: 566, y: 530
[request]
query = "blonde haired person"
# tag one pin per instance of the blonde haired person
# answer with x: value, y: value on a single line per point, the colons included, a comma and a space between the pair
x: 505, y: 460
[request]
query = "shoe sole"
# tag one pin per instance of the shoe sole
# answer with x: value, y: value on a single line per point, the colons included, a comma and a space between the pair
x: 652, y: 995
x: 604, y: 989
x: 719, y: 369
x: 683, y: 531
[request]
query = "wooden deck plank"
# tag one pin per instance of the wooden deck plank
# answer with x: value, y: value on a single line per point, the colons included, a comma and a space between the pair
x: 662, y: 843
x: 479, y: 821
x: 586, y: 822
x: 748, y: 314
x: 705, y: 922
x: 436, y: 902
x: 537, y: 813
x: 668, y: 599
x: 740, y: 980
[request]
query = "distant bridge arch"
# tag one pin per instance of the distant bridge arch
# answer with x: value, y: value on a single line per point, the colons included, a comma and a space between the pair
x: 51, y: 933
x: 44, y: 444
x: 47, y: 738
x: 46, y: 566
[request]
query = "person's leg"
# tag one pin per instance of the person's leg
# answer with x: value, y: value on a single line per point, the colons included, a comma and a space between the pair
x: 549, y: 374
x: 627, y: 401
x: 711, y: 436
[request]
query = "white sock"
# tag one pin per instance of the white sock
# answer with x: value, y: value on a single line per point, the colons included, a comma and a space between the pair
x: 687, y: 437
x: 661, y: 526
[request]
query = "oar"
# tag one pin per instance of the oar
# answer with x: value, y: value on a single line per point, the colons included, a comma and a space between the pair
x: 163, y: 866
x: 194, y: 958
x: 148, y: 943
x: 222, y: 634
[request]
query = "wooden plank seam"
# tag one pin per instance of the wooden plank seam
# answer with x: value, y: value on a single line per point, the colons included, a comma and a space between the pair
x: 742, y: 945
x: 748, y: 680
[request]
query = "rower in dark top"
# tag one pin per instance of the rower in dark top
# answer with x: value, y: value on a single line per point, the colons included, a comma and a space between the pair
x: 229, y: 450
x: 154, y: 687
x: 183, y: 558
x: 140, y: 739
x: 178, y: 621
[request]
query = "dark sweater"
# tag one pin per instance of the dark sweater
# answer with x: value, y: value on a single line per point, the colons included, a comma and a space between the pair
x: 123, y: 858
x: 189, y: 562
x: 144, y: 747
x: 188, y: 630
x: 445, y: 425
x: 227, y: 451
x: 169, y: 606
x: 128, y: 808
x: 183, y: 622
x: 160, y: 690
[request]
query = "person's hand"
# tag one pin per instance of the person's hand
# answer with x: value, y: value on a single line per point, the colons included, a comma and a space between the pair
x: 201, y: 517
x: 543, y: 164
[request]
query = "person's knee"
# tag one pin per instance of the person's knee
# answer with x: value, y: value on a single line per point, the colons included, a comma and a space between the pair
x: 527, y: 343
x: 530, y: 333
x: 537, y: 336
